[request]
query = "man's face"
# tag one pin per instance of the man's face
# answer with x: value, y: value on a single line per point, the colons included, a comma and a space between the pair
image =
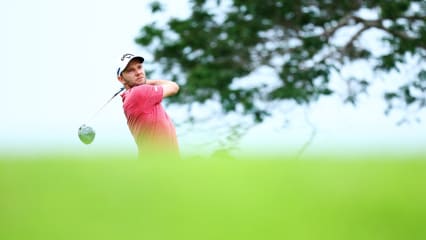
x: 133, y: 75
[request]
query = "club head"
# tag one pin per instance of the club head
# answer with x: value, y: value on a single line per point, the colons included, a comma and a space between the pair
x: 86, y: 134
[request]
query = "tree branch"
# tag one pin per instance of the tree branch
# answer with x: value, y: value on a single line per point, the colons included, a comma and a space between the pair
x: 343, y: 21
x: 355, y: 37
x: 378, y: 24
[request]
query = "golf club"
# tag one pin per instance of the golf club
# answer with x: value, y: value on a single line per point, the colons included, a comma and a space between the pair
x: 86, y: 133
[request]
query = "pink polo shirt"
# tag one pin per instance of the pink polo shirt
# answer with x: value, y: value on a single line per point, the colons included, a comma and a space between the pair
x: 148, y: 122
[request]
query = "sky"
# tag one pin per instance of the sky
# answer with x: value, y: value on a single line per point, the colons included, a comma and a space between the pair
x: 58, y: 61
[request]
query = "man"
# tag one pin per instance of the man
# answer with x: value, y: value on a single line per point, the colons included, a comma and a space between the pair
x: 151, y: 127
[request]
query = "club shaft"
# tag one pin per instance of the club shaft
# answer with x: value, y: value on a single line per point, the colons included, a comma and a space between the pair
x: 105, y: 104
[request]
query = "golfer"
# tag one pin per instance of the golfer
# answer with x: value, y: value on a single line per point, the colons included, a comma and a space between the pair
x: 151, y: 127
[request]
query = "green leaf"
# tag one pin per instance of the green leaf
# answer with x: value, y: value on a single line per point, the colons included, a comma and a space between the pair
x: 156, y: 6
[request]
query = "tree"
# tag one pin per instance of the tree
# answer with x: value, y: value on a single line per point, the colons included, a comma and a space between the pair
x: 211, y: 49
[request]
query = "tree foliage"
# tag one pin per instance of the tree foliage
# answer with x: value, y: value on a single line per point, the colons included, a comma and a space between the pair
x: 223, y: 41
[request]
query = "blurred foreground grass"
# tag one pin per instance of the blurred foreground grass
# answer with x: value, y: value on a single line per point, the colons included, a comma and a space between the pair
x: 117, y: 197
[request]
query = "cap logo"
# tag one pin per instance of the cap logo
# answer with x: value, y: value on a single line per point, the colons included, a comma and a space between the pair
x: 127, y: 55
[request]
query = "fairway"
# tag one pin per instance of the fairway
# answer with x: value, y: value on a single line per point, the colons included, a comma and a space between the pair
x: 115, y: 197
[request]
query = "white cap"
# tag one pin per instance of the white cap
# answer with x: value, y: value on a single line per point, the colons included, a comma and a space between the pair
x: 124, y: 61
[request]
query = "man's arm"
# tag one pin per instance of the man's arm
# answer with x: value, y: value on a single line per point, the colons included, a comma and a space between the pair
x: 169, y: 88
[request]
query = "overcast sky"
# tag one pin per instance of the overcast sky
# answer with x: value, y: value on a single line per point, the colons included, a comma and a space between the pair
x: 58, y: 61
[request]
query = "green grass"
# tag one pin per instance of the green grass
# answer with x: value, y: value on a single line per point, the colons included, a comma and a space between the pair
x: 111, y: 197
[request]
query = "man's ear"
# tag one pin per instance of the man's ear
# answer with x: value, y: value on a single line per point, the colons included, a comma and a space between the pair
x: 120, y: 79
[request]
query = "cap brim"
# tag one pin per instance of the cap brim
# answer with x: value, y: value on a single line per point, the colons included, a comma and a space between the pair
x: 141, y: 59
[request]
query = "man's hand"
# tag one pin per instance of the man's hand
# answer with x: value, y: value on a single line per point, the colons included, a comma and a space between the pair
x: 169, y: 88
